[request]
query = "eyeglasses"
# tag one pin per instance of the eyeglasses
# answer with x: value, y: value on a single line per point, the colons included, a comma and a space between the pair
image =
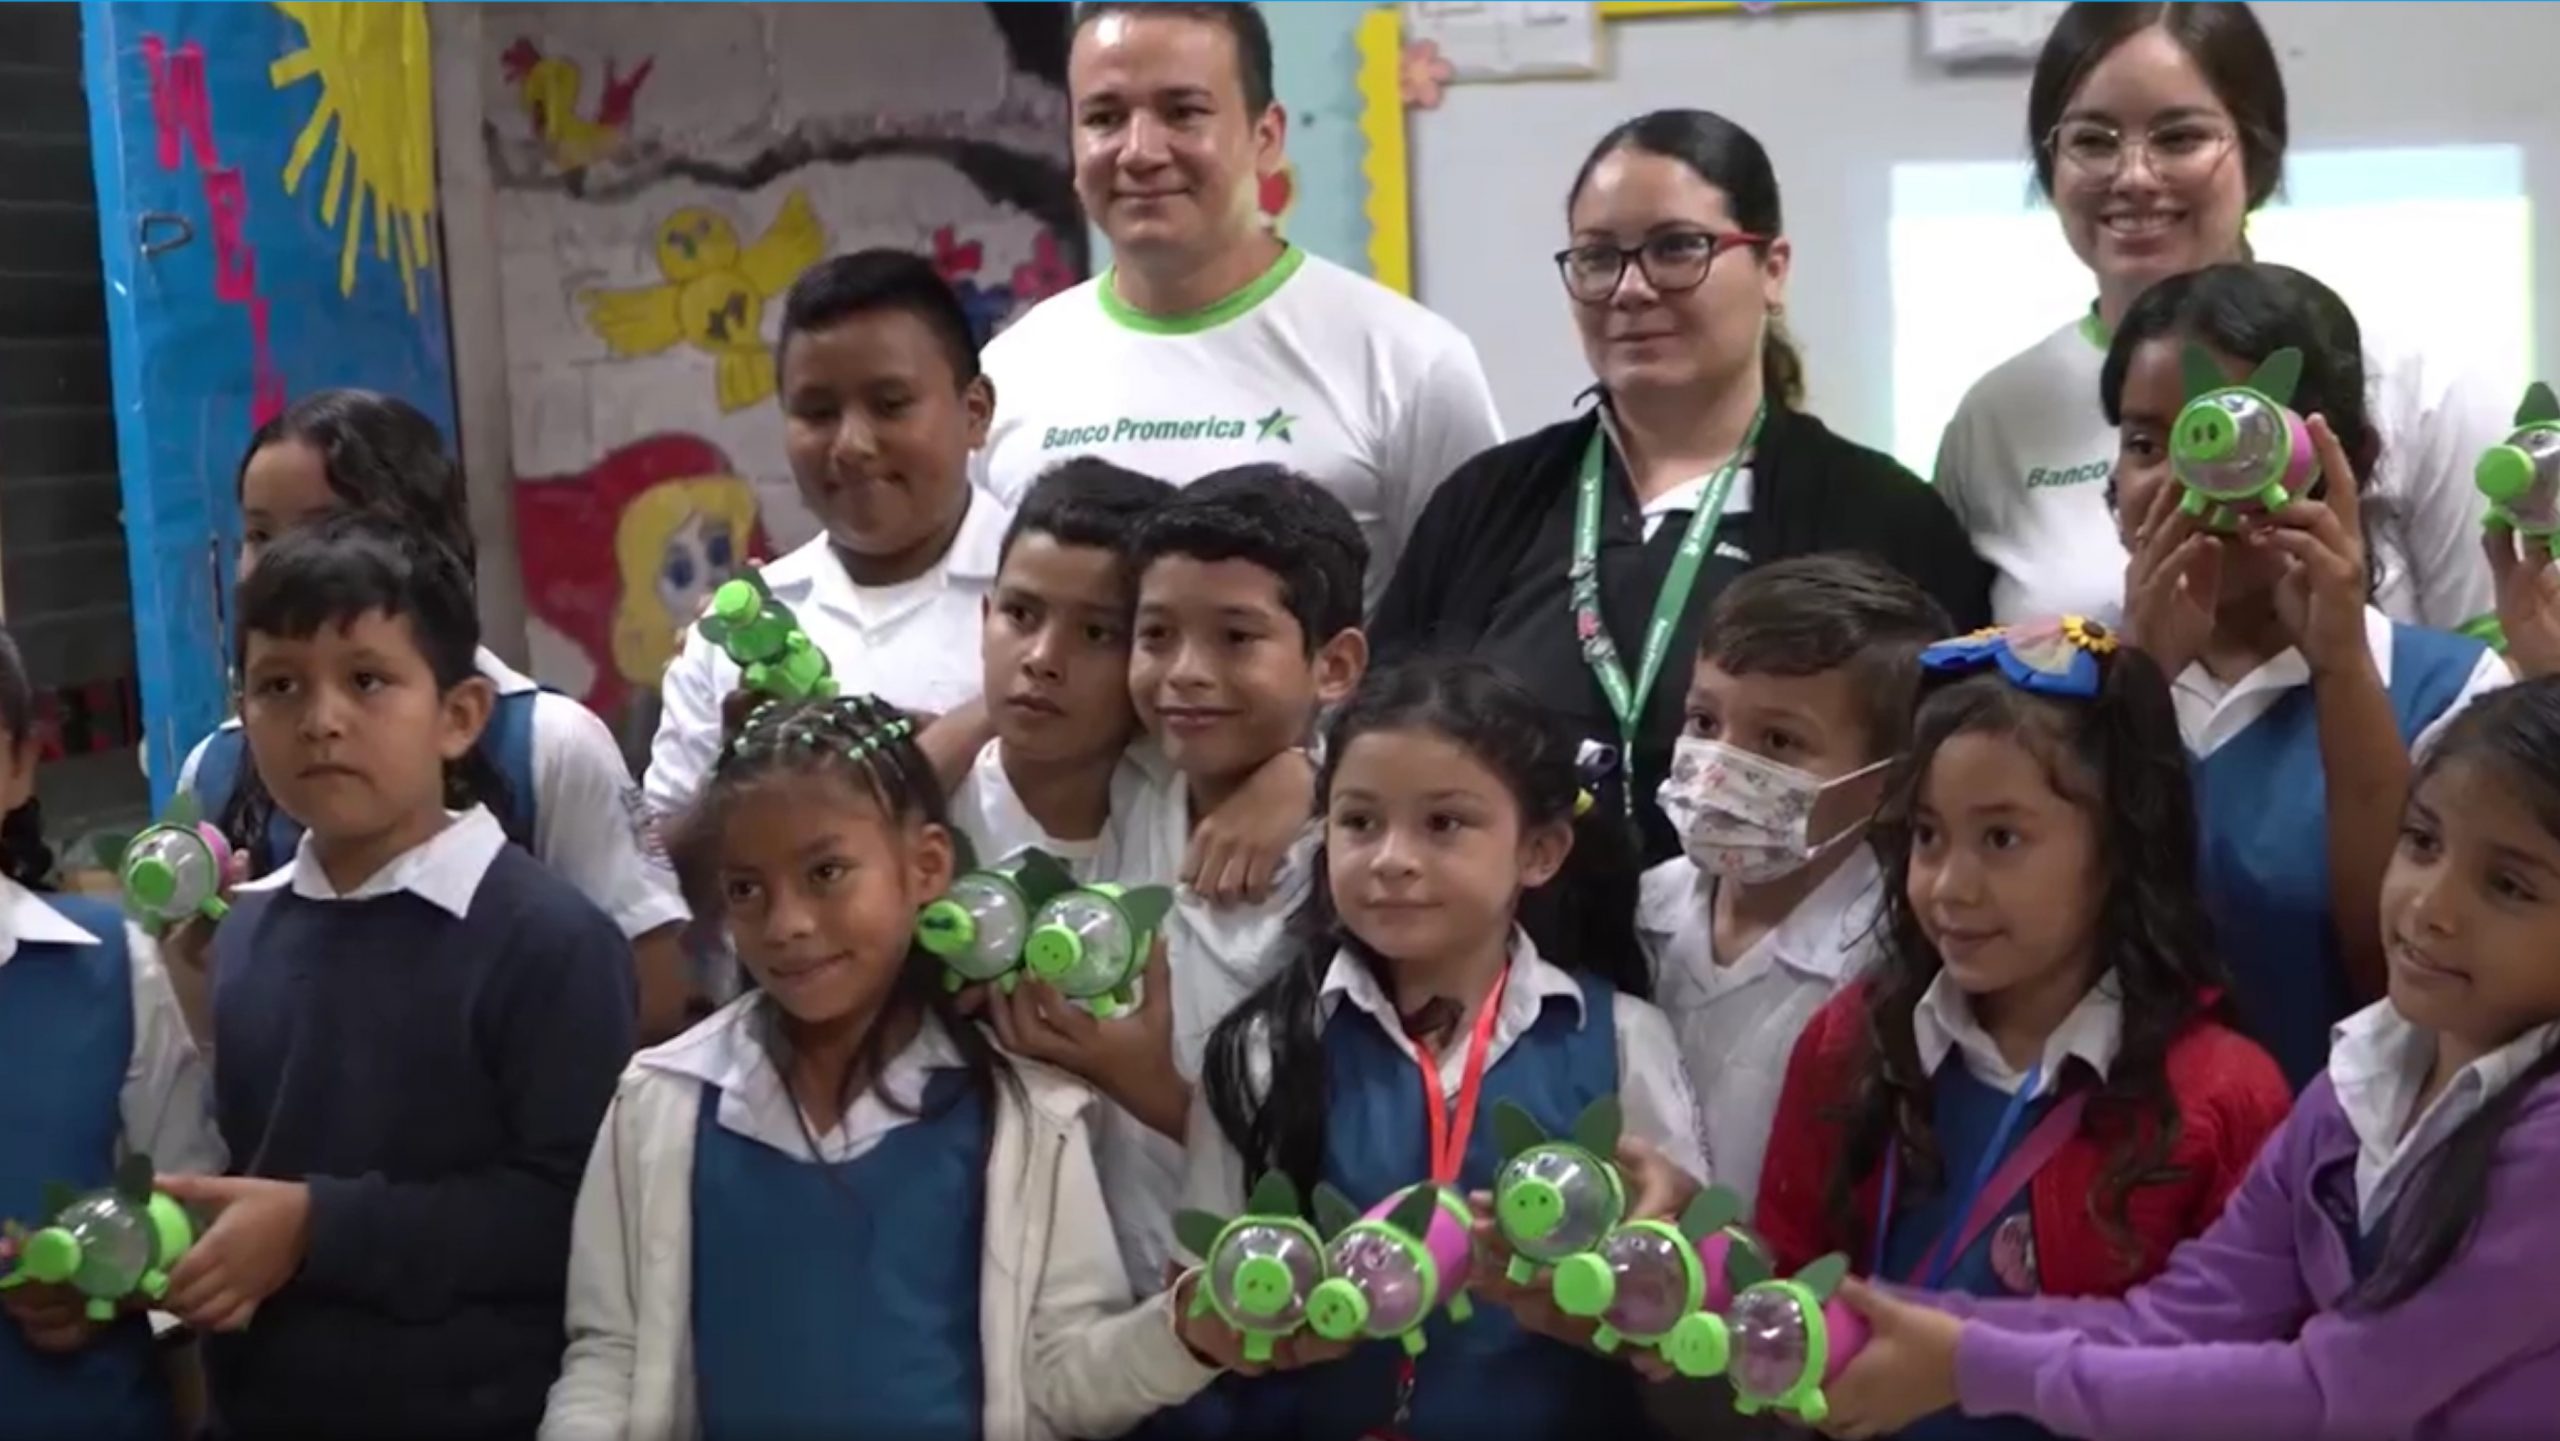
x: 1672, y: 262
x: 2176, y: 149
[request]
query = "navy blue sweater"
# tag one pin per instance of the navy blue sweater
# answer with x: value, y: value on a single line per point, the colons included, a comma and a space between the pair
x: 438, y: 1082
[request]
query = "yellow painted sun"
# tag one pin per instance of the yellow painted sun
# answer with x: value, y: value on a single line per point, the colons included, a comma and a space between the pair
x: 376, y: 90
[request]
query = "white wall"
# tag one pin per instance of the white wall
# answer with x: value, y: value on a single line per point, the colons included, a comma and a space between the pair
x: 1840, y: 96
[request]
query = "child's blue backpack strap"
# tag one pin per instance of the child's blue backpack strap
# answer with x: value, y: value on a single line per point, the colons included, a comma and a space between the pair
x: 218, y: 771
x: 2429, y: 669
x: 1591, y: 1049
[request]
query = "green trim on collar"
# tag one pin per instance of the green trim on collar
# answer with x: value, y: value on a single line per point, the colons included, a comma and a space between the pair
x: 2095, y: 331
x: 1207, y: 317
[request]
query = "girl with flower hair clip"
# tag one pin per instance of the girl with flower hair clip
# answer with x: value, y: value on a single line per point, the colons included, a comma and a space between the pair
x: 2034, y: 1091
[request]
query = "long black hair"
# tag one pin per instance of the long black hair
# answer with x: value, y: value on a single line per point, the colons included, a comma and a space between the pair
x: 818, y: 746
x: 332, y: 572
x: 1589, y: 927
x: 1732, y: 160
x: 384, y: 458
x: 2118, y: 757
x: 2514, y: 733
x: 24, y: 856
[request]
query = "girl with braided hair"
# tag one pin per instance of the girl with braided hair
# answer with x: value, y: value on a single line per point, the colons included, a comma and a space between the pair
x: 833, y: 1207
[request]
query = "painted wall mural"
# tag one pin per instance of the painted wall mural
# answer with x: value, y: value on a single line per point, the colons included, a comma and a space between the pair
x: 267, y: 223
x: 662, y: 174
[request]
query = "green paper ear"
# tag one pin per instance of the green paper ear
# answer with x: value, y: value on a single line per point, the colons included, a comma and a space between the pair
x: 964, y: 853
x: 1412, y: 1215
x: 1198, y: 1232
x: 714, y: 630
x: 1274, y: 1195
x: 2277, y: 375
x: 107, y: 851
x: 1596, y: 1129
x: 2539, y: 406
x: 134, y: 1177
x: 1515, y: 1130
x: 1334, y: 1211
x: 57, y: 1199
x: 1709, y: 1211
x: 1745, y: 1266
x: 1042, y: 876
x: 2196, y: 365
x: 1823, y: 1277
x: 1146, y: 906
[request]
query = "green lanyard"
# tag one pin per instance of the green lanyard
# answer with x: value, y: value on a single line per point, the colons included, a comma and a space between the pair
x: 1626, y: 701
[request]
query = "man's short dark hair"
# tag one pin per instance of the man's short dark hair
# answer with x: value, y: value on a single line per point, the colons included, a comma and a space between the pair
x: 841, y: 287
x: 1820, y: 613
x: 1243, y: 21
x: 1277, y: 519
x: 1087, y: 501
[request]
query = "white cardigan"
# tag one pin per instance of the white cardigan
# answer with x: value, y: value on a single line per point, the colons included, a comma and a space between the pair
x: 1065, y: 1352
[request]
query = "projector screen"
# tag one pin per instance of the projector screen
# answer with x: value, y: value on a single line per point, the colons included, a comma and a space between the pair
x: 2432, y: 244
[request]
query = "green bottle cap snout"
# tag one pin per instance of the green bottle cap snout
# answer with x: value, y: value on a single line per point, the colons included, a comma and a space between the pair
x: 946, y: 928
x: 51, y: 1255
x: 1053, y: 951
x: 736, y: 602
x: 151, y: 880
x: 1262, y: 1286
x: 1698, y: 1346
x: 1585, y: 1285
x: 1336, y: 1310
x: 2504, y: 474
x: 1530, y: 1208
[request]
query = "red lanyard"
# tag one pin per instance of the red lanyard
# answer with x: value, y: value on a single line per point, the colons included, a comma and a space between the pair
x: 1449, y: 1133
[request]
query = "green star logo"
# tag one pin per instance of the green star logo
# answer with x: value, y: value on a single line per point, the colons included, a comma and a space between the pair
x: 1275, y: 426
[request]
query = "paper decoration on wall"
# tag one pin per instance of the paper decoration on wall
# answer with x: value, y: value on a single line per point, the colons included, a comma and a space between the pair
x: 714, y: 294
x: 1389, y: 203
x: 548, y: 86
x: 377, y: 92
x: 1497, y: 41
x: 182, y: 116
x: 993, y: 306
x: 1425, y: 71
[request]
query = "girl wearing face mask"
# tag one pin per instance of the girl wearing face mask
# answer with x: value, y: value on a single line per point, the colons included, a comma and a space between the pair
x: 1583, y: 558
x: 1801, y: 696
x: 2156, y: 129
x: 2035, y: 1092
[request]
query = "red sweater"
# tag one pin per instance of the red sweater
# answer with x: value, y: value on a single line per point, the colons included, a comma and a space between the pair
x: 2230, y: 1098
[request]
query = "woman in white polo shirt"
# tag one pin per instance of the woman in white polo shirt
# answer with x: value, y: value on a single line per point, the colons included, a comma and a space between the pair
x: 2157, y: 129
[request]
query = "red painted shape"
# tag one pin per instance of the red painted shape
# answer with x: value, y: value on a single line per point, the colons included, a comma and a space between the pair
x: 182, y: 116
x: 953, y: 259
x: 180, y: 113
x: 620, y: 92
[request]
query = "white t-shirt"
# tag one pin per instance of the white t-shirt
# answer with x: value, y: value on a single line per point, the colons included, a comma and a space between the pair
x: 1310, y: 366
x: 2024, y: 465
x: 914, y: 645
x: 1133, y: 848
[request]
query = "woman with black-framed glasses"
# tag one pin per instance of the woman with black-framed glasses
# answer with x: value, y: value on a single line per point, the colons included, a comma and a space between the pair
x: 2156, y: 130
x: 1583, y: 557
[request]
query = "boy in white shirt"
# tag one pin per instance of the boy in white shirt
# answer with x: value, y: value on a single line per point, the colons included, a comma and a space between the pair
x: 1800, y: 701
x: 882, y: 402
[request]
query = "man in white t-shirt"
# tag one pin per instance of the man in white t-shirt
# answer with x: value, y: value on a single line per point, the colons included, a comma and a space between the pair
x: 1211, y: 342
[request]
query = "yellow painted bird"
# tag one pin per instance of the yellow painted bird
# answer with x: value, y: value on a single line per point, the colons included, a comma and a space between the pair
x: 548, y: 86
x: 714, y: 295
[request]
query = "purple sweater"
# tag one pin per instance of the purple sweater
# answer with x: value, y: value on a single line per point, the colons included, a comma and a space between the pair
x: 2241, y: 1336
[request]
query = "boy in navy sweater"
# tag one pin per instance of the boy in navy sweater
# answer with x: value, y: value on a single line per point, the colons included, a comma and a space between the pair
x: 418, y: 1028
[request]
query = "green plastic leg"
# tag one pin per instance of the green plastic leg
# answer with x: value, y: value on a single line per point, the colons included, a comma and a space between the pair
x: 1414, y: 1342
x: 1605, y: 1340
x: 154, y: 1284
x: 2193, y: 502
x: 1520, y: 1272
x: 2274, y: 496
x: 952, y: 981
x: 1257, y: 1347
x: 1008, y: 981
x: 1461, y: 1309
x: 101, y: 1309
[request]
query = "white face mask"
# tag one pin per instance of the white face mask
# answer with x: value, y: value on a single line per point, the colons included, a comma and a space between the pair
x: 1743, y: 816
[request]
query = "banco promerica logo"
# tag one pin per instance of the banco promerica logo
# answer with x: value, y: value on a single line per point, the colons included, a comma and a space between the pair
x: 2040, y: 477
x: 1151, y: 429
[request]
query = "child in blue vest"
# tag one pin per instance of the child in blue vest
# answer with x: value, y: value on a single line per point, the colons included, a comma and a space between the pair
x: 834, y: 1208
x: 2386, y: 1269
x: 2035, y: 1091
x: 553, y: 776
x: 417, y: 1029
x: 2301, y: 702
x: 1447, y: 791
x: 95, y: 1065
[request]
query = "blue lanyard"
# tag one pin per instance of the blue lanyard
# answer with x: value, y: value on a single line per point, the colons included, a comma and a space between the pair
x: 1940, y: 1258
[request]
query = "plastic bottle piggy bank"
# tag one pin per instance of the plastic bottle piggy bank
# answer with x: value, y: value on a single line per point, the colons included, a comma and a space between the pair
x: 1092, y: 942
x: 1556, y: 1198
x: 1661, y: 1285
x: 1789, y: 1339
x: 978, y: 927
x: 2239, y: 445
x: 173, y: 871
x: 774, y: 656
x: 2521, y: 475
x: 1393, y: 1266
x: 107, y: 1245
x: 1259, y: 1270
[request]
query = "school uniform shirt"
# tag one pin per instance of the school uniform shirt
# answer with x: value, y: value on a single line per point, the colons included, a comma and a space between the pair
x: 913, y: 644
x: 1654, y: 1094
x: 1061, y: 1350
x: 1130, y: 848
x: 2378, y: 1064
x: 2025, y: 462
x: 1737, y: 1022
x: 588, y: 823
x: 2246, y: 1333
x: 2227, y: 1094
x: 1487, y: 572
x: 1309, y: 366
x: 2262, y: 817
x: 429, y: 1051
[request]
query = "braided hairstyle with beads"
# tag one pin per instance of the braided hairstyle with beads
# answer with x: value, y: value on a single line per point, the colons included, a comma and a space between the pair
x: 869, y: 746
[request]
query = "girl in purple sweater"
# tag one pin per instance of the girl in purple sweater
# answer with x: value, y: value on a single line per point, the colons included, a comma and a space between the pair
x: 2390, y: 1269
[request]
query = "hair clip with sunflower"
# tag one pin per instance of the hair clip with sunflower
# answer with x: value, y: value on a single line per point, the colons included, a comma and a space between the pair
x: 2059, y: 656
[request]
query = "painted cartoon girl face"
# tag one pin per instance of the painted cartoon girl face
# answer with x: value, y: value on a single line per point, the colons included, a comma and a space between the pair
x: 698, y: 557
